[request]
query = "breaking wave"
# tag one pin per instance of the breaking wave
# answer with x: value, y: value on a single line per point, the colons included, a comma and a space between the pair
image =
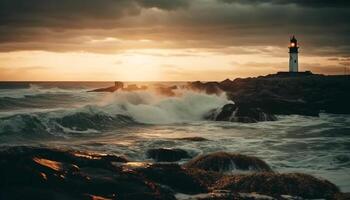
x: 101, y: 112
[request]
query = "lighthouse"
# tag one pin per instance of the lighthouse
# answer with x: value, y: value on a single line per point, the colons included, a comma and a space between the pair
x: 293, y: 54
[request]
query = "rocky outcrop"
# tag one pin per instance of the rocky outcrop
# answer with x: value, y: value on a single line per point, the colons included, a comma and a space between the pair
x: 302, y: 94
x: 227, y: 162
x: 167, y: 155
x: 42, y: 173
x: 208, y: 87
x: 294, y: 184
x: 239, y: 113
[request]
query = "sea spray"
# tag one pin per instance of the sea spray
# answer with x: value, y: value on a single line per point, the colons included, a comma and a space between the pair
x: 110, y: 110
x: 150, y: 107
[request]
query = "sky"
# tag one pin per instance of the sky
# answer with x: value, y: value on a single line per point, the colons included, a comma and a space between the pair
x: 169, y: 40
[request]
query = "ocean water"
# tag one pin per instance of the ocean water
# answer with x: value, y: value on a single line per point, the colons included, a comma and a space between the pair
x: 65, y: 115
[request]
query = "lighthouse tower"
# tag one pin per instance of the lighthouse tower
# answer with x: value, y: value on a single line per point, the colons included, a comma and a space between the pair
x: 293, y: 54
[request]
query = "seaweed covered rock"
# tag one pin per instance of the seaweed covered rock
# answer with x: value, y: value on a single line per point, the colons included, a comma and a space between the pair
x: 167, y: 155
x: 225, y: 162
x: 294, y: 184
x: 240, y: 113
x: 173, y: 176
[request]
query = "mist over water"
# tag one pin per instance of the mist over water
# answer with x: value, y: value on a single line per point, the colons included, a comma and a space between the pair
x: 129, y: 123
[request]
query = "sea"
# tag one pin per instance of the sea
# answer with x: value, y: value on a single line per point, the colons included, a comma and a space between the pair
x: 65, y: 115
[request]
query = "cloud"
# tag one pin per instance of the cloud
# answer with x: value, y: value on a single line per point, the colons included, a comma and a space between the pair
x: 232, y: 26
x: 164, y: 4
x: 77, y: 13
x: 308, y: 3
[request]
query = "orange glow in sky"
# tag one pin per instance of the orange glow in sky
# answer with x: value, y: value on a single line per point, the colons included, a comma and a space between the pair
x: 175, y: 40
x: 146, y: 65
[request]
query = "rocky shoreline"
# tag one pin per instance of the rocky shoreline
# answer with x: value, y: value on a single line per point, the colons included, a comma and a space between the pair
x: 284, y: 93
x: 262, y: 98
x: 45, y: 173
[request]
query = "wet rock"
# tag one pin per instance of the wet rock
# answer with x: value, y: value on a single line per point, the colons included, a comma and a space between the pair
x: 207, y: 178
x: 294, y: 184
x: 239, y: 113
x: 72, y: 157
x: 41, y: 173
x: 226, y: 112
x: 167, y: 155
x: 173, y: 176
x: 226, y: 162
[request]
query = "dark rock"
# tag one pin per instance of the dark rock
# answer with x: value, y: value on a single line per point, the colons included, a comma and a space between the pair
x: 224, y: 162
x: 173, y: 176
x: 193, y: 139
x: 226, y: 112
x: 294, y: 184
x: 302, y: 94
x: 40, y: 173
x: 208, y: 87
x: 167, y: 155
x: 240, y: 113
x: 207, y: 178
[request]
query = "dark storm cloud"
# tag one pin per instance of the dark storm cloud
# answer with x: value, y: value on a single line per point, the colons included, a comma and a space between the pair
x: 309, y: 3
x: 67, y: 13
x: 67, y: 25
x: 164, y: 4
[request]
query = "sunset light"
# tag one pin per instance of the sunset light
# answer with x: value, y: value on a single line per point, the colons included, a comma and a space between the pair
x: 174, y: 99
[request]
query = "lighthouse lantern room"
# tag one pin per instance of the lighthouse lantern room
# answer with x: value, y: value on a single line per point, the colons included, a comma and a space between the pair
x: 293, y: 55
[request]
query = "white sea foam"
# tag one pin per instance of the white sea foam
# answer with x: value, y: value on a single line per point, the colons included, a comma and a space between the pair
x: 150, y: 107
